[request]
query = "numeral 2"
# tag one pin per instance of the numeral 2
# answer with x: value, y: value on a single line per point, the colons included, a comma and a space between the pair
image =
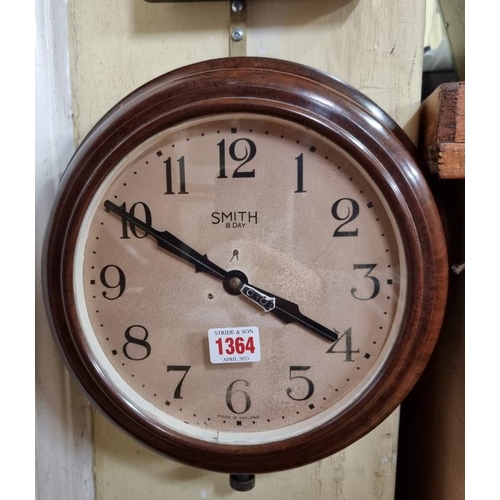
x: 352, y: 212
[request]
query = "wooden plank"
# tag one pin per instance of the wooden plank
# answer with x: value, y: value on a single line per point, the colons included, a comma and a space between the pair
x: 431, y: 459
x: 63, y: 425
x: 443, y: 131
x: 454, y: 17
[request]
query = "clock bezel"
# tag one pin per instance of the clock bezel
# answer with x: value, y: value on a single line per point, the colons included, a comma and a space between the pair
x: 336, y: 111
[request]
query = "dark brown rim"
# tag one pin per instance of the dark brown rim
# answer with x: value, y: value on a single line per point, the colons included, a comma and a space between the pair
x: 293, y: 92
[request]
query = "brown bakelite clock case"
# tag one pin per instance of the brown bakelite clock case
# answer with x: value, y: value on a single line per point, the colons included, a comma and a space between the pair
x: 245, y: 269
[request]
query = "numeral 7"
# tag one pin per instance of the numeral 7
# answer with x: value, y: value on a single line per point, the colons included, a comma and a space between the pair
x: 178, y: 368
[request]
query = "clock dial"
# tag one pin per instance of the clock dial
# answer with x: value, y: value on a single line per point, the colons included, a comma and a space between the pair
x: 245, y: 269
x: 290, y: 216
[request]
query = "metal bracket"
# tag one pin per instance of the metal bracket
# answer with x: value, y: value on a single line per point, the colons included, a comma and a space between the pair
x: 237, y: 24
x: 238, y: 28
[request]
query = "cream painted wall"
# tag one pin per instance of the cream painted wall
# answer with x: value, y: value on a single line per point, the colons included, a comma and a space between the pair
x: 117, y: 45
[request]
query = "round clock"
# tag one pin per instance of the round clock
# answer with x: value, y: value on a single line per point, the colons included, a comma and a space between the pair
x: 245, y: 269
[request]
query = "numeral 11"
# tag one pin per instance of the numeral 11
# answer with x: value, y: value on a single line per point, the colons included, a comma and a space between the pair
x: 182, y: 176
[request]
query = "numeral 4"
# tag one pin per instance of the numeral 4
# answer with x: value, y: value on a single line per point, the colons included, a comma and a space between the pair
x: 347, y: 336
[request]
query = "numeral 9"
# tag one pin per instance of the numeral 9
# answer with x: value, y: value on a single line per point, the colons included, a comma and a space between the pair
x: 120, y: 283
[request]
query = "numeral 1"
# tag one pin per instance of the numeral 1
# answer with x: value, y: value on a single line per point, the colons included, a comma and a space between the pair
x: 300, y: 174
x: 182, y: 176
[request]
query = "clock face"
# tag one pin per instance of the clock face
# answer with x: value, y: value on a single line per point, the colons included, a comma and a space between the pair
x: 277, y: 207
x: 245, y: 262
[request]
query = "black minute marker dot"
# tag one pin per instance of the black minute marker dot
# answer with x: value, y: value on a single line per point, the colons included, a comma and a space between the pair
x: 167, y: 403
x: 312, y: 149
x: 367, y: 356
x: 159, y: 153
x: 92, y: 282
x: 311, y: 406
x: 234, y: 130
x: 238, y: 422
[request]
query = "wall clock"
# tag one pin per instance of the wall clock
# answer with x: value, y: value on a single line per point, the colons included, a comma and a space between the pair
x: 245, y: 269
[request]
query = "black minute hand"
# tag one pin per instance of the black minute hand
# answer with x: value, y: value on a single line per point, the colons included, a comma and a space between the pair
x: 235, y: 282
x: 169, y: 242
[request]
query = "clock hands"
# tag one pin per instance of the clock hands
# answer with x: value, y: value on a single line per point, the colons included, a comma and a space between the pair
x: 234, y: 282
